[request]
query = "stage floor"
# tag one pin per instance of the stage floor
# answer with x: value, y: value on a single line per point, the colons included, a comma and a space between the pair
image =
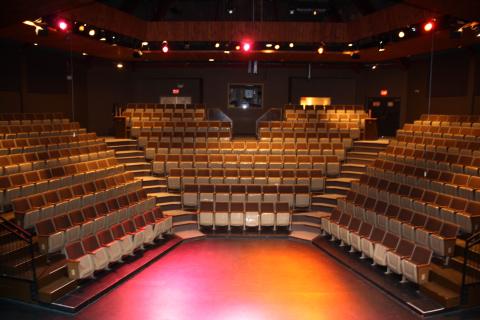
x: 238, y: 279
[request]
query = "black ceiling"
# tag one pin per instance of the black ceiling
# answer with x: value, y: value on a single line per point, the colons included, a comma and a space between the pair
x: 248, y: 10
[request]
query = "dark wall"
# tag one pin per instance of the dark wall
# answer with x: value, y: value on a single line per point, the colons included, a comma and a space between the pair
x: 35, y: 79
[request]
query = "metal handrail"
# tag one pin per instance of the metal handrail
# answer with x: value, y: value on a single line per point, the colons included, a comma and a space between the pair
x: 272, y: 114
x: 471, y: 241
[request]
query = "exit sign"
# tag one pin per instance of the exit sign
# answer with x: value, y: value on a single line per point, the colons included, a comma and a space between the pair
x: 175, y: 91
x: 384, y: 92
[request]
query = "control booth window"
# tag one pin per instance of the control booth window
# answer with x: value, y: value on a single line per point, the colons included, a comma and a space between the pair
x: 244, y: 96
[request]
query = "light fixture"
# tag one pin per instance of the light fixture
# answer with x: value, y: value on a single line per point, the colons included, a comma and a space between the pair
x: 350, y: 44
x: 320, y: 50
x: 137, y: 54
x: 381, y: 46
x: 119, y: 65
x: 374, y: 67
x: 268, y: 45
x: 291, y: 45
x: 226, y: 52
x: 217, y: 45
x: 237, y: 47
x: 144, y: 43
x: 84, y: 54
x: 35, y: 44
x: 81, y: 28
x: 62, y: 25
x: 401, y: 34
x: 91, y: 33
x: 211, y: 60
x: 414, y: 29
x: 292, y: 11
x: 103, y: 39
x: 429, y: 26
x: 246, y: 46
x: 314, y: 12
x: 478, y: 35
x: 230, y: 11
x: 277, y: 46
x: 164, y: 46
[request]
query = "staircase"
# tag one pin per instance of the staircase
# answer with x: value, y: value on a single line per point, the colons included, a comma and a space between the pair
x: 129, y: 153
x: 306, y: 225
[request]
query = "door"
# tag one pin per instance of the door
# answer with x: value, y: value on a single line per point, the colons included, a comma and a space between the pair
x: 387, y: 112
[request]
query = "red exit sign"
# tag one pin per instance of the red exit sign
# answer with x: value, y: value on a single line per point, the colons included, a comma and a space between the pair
x: 175, y: 91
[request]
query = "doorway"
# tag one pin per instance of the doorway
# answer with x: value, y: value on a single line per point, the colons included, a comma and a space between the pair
x: 387, y: 112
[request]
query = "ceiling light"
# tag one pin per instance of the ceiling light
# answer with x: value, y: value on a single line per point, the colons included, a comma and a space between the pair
x: 144, y: 43
x: 35, y: 44
x: 291, y: 45
x: 217, y: 45
x: 277, y: 46
x: 137, y: 53
x: 314, y: 12
x: 292, y: 11
x: 381, y: 46
x: 478, y: 35
x: 320, y: 50
x: 62, y: 25
x: 237, y: 47
x: 401, y: 34
x: 119, y: 65
x: 164, y: 46
x: 84, y: 54
x: 350, y: 44
x: 91, y: 33
x: 374, y: 67
x: 103, y: 39
x: 413, y: 29
x: 428, y: 26
x: 81, y: 28
x: 268, y: 45
x: 230, y: 11
x: 226, y: 52
x: 211, y: 60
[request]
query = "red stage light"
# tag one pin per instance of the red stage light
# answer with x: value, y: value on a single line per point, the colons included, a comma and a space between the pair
x: 246, y: 46
x: 428, y: 26
x: 62, y: 25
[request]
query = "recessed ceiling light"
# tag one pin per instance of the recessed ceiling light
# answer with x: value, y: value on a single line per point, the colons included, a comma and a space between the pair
x: 268, y: 45
x: 91, y: 33
x: 350, y: 44
x: 291, y: 45
x: 81, y: 28
x: 320, y: 50
x: 84, y: 54
x: 119, y: 65
x: 217, y: 45
x: 35, y: 44
x: 211, y: 60
x: 277, y: 46
x: 401, y: 34
x: 314, y: 12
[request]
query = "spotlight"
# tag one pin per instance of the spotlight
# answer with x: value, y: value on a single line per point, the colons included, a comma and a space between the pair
x: 217, y: 45
x: 35, y: 44
x: 428, y: 26
x: 314, y: 12
x: 401, y: 34
x: 81, y: 28
x: 165, y: 47
x: 350, y: 44
x: 230, y: 11
x: 226, y: 52
x: 211, y: 60
x: 381, y: 46
x: 62, y: 25
x: 103, y: 39
x: 291, y: 45
x: 292, y: 11
x: 320, y: 50
x: 413, y: 29
x: 91, y: 33
x: 374, y: 67
x: 268, y: 45
x: 237, y: 47
x: 119, y: 65
x: 246, y: 46
x: 84, y: 54
x: 277, y: 46
x: 478, y: 35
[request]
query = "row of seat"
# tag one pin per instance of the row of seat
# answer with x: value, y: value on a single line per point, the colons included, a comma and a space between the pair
x: 180, y: 137
x: 315, y: 179
x: 405, y: 223
x: 450, y: 118
x: 437, y: 144
x: 461, y: 211
x: 327, y: 108
x: 97, y: 251
x: 304, y: 126
x: 30, y: 209
x: 447, y: 123
x: 243, y: 215
x: 326, y: 117
x: 457, y: 163
x: 306, y: 137
x: 456, y: 184
x: 8, y: 146
x: 297, y: 196
x: 236, y: 147
x: 452, y: 132
x: 133, y: 106
x: 401, y: 256
x: 165, y: 116
x: 164, y: 163
x: 31, y: 182
x: 35, y: 130
x: 199, y: 126
x: 32, y: 116
x: 22, y: 162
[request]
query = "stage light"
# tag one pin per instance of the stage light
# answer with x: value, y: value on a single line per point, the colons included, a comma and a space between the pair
x: 291, y: 45
x: 292, y: 11
x: 413, y: 29
x: 428, y: 26
x: 137, y: 54
x: 81, y: 28
x: 92, y: 32
x: 320, y: 50
x: 62, y: 25
x: 246, y: 46
x: 314, y: 12
x: 211, y: 60
x: 230, y: 11
x: 165, y: 47
x: 277, y: 46
x: 478, y: 35
x: 268, y: 45
x: 119, y: 65
x: 237, y: 47
x: 217, y: 45
x: 401, y: 34
x: 374, y: 67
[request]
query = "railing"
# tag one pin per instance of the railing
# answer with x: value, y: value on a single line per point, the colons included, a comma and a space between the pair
x: 272, y: 114
x: 217, y: 114
x: 471, y: 265
x: 17, y: 246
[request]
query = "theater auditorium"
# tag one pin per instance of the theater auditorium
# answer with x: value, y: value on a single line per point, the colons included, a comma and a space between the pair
x: 240, y: 159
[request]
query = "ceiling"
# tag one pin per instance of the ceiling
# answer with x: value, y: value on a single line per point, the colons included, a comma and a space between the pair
x: 192, y: 27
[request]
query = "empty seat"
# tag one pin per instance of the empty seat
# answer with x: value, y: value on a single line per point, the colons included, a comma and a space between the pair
x: 98, y: 253
x: 49, y: 238
x: 79, y: 263
x: 205, y: 214
x: 416, y: 267
x: 389, y: 242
